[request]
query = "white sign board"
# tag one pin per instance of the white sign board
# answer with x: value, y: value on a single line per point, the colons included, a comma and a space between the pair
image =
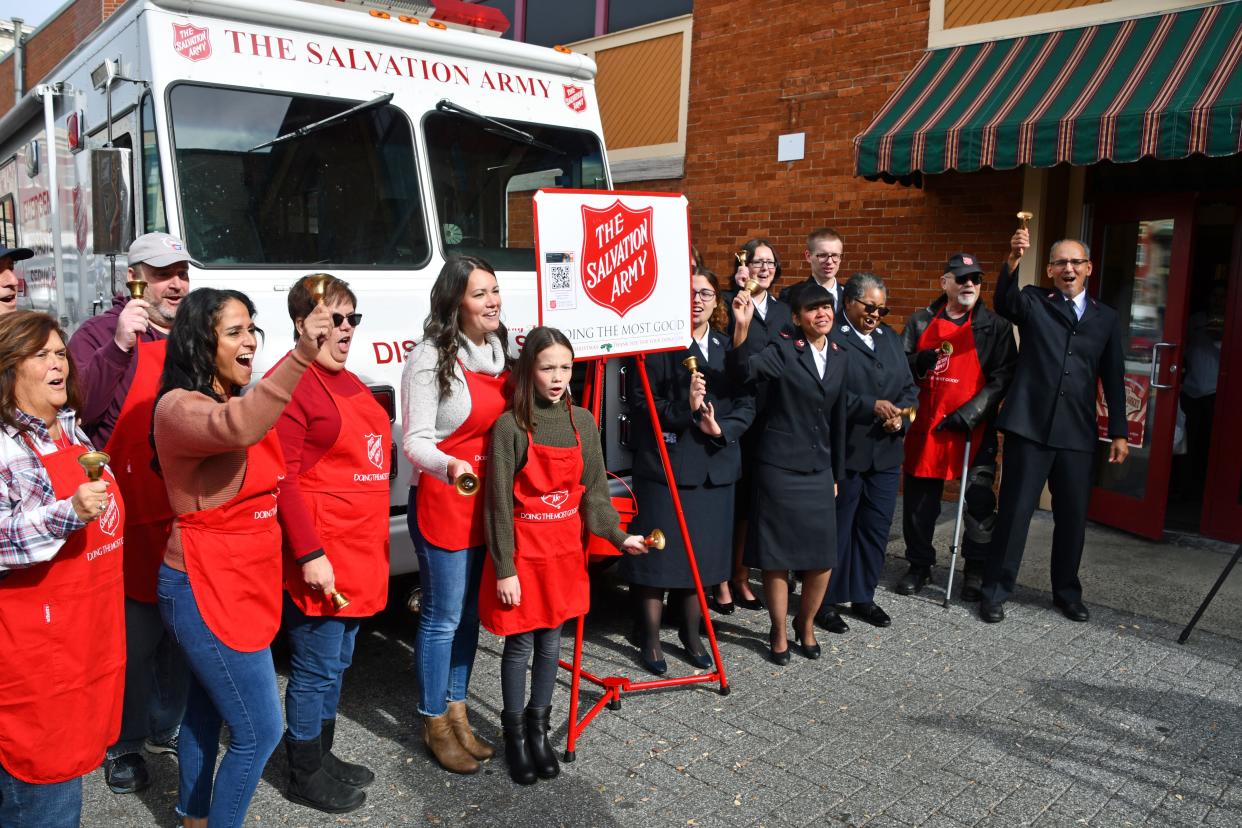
x: 614, y: 269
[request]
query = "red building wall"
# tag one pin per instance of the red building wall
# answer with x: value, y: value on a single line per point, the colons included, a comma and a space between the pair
x: 49, y: 45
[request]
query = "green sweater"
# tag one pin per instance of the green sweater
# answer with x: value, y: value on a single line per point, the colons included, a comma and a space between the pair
x: 508, y: 456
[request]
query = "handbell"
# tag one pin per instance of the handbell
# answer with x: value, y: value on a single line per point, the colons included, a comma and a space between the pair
x: 946, y: 348
x: 691, y: 363
x: 910, y: 412
x: 1025, y: 218
x: 753, y: 287
x: 318, y: 286
x: 93, y: 463
x: 339, y: 601
x: 740, y: 257
x: 655, y: 540
x: 466, y: 483
x: 137, y: 287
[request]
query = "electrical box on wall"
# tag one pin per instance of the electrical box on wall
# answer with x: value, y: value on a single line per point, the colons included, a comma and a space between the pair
x: 791, y: 147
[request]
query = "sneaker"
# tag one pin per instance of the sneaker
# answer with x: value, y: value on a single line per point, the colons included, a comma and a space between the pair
x: 126, y: 773
x: 168, y: 746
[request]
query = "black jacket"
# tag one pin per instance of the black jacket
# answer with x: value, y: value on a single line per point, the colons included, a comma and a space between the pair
x: 1053, y: 395
x: 994, y: 344
x: 882, y: 374
x: 779, y: 317
x: 696, y: 458
x: 804, y: 424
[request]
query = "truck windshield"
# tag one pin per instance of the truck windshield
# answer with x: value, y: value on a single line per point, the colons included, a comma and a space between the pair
x: 344, y: 194
x: 483, y: 178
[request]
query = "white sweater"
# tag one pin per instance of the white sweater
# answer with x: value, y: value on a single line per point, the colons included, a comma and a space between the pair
x: 426, y: 418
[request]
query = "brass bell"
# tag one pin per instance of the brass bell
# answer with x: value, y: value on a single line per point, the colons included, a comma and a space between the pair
x: 318, y: 286
x: 466, y: 483
x: 137, y: 287
x: 740, y: 256
x: 753, y: 287
x: 93, y: 463
x: 910, y: 412
x: 339, y: 600
x: 655, y: 540
x: 691, y: 363
x: 946, y: 348
x: 1025, y: 218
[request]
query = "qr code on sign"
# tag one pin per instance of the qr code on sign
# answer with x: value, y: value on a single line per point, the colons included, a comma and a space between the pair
x: 558, y: 276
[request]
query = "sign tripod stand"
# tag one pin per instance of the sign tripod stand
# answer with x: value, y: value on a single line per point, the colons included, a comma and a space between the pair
x: 615, y: 686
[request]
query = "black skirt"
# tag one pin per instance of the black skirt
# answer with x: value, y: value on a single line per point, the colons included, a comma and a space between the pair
x: 709, y: 516
x: 793, y: 523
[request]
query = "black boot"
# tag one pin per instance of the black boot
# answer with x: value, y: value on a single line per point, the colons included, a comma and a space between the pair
x: 351, y: 774
x: 517, y: 756
x: 541, y: 752
x: 310, y: 784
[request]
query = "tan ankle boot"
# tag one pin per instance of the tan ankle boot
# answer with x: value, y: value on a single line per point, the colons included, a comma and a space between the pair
x: 460, y: 722
x: 439, y: 739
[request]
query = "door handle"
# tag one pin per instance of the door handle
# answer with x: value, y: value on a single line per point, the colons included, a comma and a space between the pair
x: 1154, y: 379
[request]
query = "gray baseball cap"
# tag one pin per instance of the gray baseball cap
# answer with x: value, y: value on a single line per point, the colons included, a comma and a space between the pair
x: 157, y: 250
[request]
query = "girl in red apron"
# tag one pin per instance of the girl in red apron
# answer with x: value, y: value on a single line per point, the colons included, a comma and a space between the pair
x: 547, y: 482
x: 452, y: 391
x: 333, y: 510
x: 62, y: 618
x: 219, y: 587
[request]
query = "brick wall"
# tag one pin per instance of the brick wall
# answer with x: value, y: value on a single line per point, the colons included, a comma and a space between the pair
x: 842, y: 59
x: 49, y: 45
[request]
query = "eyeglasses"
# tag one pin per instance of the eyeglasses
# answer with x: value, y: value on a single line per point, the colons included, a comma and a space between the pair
x: 1074, y: 263
x: 761, y: 264
x: 704, y: 294
x: 973, y: 278
x: 882, y: 310
x: 828, y: 257
x: 338, y: 318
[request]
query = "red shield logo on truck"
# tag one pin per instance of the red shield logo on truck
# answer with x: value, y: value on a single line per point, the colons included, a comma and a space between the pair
x: 575, y: 97
x: 618, y: 256
x: 193, y: 42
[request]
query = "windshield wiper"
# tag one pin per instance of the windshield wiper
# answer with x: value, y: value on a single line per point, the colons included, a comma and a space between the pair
x: 325, y: 123
x: 497, y: 127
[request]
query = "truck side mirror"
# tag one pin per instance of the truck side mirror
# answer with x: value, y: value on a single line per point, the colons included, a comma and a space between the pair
x: 111, y: 215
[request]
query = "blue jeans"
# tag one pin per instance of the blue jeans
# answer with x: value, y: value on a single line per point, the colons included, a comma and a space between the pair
x: 27, y: 805
x: 448, y: 629
x: 322, y: 650
x: 156, y: 681
x: 226, y: 685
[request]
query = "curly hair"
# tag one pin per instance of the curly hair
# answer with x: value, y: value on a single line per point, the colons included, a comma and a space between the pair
x: 442, y: 327
x: 191, y: 359
x: 23, y: 334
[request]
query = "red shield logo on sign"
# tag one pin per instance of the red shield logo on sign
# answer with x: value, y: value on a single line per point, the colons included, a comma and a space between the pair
x: 110, y: 519
x: 618, y: 256
x: 556, y: 499
x: 575, y: 97
x: 375, y: 450
x: 193, y: 42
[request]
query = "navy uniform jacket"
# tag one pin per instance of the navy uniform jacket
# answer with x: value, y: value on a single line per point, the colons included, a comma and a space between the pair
x: 804, y: 424
x: 780, y: 316
x: 882, y: 374
x: 696, y: 457
x: 1060, y: 360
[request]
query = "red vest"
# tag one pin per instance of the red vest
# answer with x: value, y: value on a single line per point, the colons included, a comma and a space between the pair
x: 956, y: 378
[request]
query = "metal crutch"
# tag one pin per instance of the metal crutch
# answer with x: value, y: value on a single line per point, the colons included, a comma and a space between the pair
x: 957, y: 525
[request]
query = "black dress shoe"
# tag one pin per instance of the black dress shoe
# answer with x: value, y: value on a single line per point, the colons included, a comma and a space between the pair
x: 657, y: 666
x: 811, y: 651
x: 719, y: 608
x: 916, y: 578
x: 1073, y: 610
x: 871, y: 613
x: 701, y: 659
x: 127, y: 773
x: 991, y: 613
x: 748, y: 603
x: 779, y: 659
x: 831, y: 620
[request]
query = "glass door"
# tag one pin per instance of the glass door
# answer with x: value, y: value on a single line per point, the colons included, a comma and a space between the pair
x: 1141, y: 256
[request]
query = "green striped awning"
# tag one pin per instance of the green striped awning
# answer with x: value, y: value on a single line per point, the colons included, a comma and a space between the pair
x: 1166, y: 86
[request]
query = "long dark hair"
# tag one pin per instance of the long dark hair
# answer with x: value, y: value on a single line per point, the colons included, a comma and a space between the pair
x: 522, y: 381
x: 23, y: 334
x: 191, y: 359
x: 442, y: 327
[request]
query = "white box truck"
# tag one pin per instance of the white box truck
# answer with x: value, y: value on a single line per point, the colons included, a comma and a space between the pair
x: 283, y: 137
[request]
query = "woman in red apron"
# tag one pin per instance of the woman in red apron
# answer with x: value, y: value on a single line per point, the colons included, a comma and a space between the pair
x: 547, y: 474
x: 219, y: 587
x: 62, y: 612
x: 333, y: 511
x: 452, y: 391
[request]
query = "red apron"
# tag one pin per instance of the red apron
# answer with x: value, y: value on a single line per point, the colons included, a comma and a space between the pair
x: 232, y: 554
x: 62, y: 645
x: 346, y: 492
x: 148, y: 517
x: 548, y: 550
x: 955, y: 379
x: 445, y: 518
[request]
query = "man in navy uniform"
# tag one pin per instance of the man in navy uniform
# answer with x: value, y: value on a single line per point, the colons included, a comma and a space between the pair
x: 824, y: 249
x: 1069, y: 343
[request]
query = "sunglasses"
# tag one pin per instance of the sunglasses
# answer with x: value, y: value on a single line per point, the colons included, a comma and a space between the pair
x: 963, y: 278
x: 338, y: 318
x: 882, y: 310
